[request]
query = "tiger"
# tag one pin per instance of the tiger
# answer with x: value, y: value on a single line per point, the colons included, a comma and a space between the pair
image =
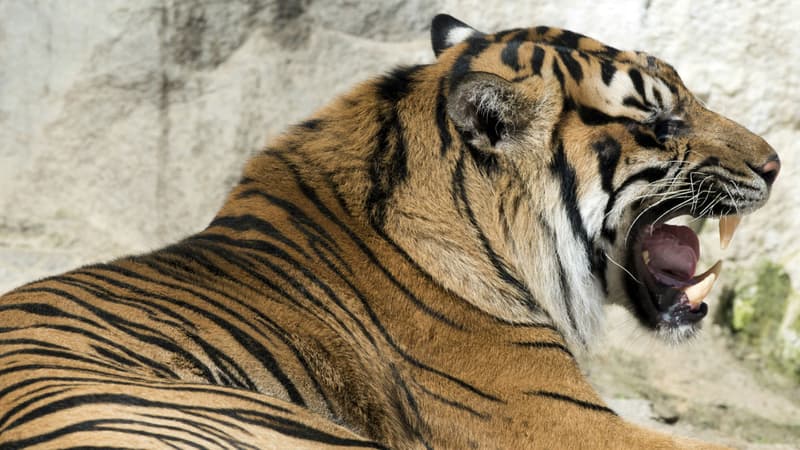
x: 416, y: 266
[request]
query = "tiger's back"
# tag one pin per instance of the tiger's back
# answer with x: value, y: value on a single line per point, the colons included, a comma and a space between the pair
x: 411, y: 268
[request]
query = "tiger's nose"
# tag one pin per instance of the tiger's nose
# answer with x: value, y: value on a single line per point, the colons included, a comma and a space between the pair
x: 769, y: 171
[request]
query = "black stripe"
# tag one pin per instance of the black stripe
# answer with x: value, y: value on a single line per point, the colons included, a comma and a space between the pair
x: 455, y: 404
x: 34, y: 342
x: 574, y: 401
x: 608, y: 151
x: 462, y: 65
x: 244, y: 339
x: 558, y: 73
x: 388, y: 167
x: 442, y: 123
x: 645, y: 139
x: 396, y: 85
x: 572, y: 65
x: 501, y: 268
x: 537, y: 59
x: 140, y: 302
x: 312, y: 196
x: 510, y: 54
x: 564, y: 284
x: 498, y: 37
x: 650, y: 175
x: 280, y: 424
x: 248, y: 222
x: 156, y: 367
x: 633, y: 102
x: 607, y: 71
x: 545, y: 345
x: 607, y: 52
x: 561, y: 168
x: 638, y: 82
x: 568, y: 39
x: 657, y: 96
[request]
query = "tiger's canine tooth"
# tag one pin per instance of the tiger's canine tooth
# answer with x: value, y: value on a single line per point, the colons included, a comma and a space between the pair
x: 646, y: 257
x: 700, y: 290
x: 727, y: 226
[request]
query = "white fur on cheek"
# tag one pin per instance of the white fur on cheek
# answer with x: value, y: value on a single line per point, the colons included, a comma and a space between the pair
x: 585, y: 295
x: 592, y: 207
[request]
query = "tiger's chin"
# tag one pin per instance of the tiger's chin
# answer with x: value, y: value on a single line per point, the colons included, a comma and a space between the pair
x: 666, y: 289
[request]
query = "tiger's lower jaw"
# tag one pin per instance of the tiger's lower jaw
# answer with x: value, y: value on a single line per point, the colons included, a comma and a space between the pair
x: 667, y: 295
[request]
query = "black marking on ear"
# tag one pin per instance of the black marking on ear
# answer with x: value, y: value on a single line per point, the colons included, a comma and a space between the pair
x: 561, y: 168
x: 442, y: 124
x: 441, y: 27
x: 510, y: 54
x: 537, y: 59
x: 608, y: 151
x: 607, y: 71
x: 572, y: 65
x: 638, y: 82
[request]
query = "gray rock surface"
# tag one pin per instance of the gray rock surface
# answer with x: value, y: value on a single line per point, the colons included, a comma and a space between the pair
x: 123, y: 124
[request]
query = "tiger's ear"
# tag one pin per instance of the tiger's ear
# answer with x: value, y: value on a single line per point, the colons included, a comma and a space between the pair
x: 447, y: 31
x: 489, y: 110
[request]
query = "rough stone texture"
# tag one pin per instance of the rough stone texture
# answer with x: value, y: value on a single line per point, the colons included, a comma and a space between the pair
x: 123, y: 124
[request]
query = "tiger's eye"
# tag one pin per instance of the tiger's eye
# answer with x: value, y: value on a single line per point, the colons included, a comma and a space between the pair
x: 665, y: 129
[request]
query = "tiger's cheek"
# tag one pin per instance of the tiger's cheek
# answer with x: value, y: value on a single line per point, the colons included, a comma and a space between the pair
x: 595, y: 157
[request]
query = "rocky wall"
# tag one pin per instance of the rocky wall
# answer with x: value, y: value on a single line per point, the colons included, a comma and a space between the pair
x: 123, y: 124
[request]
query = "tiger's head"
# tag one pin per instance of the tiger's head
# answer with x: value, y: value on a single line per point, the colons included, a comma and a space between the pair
x: 575, y: 156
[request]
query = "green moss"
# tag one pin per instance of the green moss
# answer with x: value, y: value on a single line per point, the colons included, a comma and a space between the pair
x: 755, y: 308
x: 759, y: 303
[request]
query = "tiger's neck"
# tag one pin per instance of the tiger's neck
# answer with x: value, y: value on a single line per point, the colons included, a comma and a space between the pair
x: 393, y: 164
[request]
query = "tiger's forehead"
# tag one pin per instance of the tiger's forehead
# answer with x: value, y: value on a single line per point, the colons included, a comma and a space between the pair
x: 617, y: 82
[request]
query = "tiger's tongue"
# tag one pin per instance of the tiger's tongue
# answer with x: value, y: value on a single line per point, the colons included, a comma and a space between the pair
x: 671, y: 253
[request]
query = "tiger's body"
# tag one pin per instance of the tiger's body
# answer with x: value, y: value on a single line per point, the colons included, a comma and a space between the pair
x: 413, y: 267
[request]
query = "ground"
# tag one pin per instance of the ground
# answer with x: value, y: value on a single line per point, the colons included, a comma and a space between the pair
x: 701, y: 389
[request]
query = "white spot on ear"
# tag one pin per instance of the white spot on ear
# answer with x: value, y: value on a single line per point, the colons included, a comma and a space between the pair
x: 459, y: 34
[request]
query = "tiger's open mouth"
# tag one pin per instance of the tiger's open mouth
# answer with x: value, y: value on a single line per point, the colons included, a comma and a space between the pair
x: 663, y: 259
